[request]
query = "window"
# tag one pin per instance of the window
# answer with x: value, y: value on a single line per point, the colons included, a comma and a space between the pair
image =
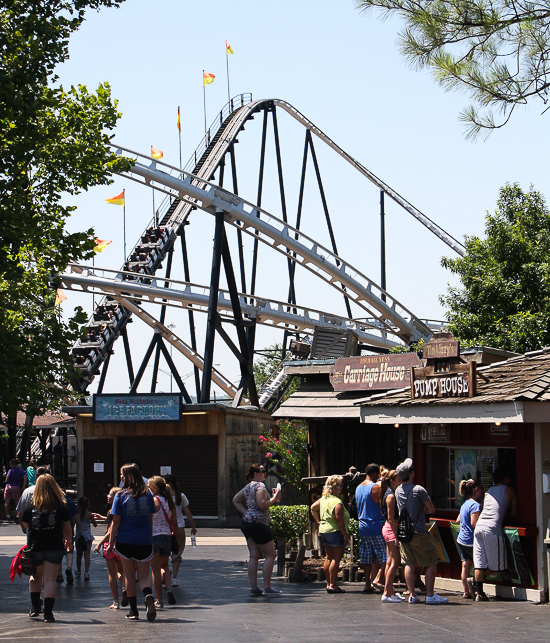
x: 447, y: 466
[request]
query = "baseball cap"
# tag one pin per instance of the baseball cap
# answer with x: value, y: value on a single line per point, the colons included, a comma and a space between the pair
x: 404, y: 468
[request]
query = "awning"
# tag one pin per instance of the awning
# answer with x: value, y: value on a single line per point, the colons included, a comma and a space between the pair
x: 317, y: 403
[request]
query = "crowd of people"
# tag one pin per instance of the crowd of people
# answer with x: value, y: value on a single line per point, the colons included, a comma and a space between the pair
x: 386, y: 541
x: 144, y: 529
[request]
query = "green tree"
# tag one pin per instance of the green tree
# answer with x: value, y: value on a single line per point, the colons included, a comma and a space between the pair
x: 498, y: 52
x: 53, y: 145
x: 287, y: 447
x: 504, y: 300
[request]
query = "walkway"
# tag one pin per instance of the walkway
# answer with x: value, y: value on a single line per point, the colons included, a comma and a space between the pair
x: 214, y: 606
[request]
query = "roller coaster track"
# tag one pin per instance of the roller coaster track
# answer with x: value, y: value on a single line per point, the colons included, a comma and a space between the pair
x: 188, y: 190
x: 172, y: 292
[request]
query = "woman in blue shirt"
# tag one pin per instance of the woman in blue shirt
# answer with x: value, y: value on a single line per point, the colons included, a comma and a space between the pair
x: 471, y: 491
x: 131, y: 537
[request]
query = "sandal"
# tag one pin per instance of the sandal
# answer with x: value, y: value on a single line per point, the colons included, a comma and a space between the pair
x: 339, y: 590
x: 114, y: 606
x: 369, y: 590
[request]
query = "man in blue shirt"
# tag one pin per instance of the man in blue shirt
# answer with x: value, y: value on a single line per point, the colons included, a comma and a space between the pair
x: 372, y: 546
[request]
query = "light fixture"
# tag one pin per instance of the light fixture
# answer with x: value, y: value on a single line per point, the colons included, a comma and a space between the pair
x: 396, y: 425
x: 498, y: 423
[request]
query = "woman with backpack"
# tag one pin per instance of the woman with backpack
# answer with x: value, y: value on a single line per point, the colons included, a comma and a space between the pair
x: 48, y: 528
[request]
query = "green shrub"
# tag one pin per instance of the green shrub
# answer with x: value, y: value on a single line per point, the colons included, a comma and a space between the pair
x: 289, y: 522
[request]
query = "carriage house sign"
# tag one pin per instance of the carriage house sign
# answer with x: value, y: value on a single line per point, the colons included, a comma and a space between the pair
x: 373, y: 372
x: 444, y: 375
x: 161, y: 407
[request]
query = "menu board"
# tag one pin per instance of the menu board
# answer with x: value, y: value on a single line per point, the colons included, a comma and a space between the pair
x: 487, y: 468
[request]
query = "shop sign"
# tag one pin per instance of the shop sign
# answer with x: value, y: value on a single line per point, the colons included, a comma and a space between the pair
x: 373, y: 372
x: 162, y: 407
x: 436, y: 433
x: 459, y: 381
x: 441, y: 349
x: 501, y: 432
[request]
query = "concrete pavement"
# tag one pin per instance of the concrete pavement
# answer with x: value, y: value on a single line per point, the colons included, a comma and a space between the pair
x: 214, y: 606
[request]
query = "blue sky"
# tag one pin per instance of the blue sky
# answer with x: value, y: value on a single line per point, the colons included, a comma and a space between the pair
x: 343, y: 71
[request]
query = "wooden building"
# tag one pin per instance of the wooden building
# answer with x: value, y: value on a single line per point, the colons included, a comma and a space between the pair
x: 209, y: 450
x: 506, y: 422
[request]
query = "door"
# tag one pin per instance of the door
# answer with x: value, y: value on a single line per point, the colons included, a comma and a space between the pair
x: 98, y: 473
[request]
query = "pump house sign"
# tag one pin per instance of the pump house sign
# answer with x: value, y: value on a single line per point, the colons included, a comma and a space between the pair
x: 373, y: 372
x: 444, y: 375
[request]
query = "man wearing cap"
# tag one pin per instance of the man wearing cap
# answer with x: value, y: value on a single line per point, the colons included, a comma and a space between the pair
x: 372, y: 546
x: 421, y: 549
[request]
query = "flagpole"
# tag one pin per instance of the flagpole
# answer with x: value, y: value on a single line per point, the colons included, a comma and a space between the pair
x: 124, y: 220
x: 179, y: 134
x: 204, y: 96
x: 154, y: 213
x: 227, y: 62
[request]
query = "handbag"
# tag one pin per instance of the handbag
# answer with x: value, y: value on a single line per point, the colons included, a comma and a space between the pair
x: 28, y: 566
x: 175, y: 545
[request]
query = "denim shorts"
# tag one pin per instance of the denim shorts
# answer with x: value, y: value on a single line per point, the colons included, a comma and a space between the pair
x: 162, y: 544
x: 333, y: 538
x: 466, y: 552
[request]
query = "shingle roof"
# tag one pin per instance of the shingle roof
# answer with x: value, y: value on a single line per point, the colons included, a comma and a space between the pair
x: 524, y: 377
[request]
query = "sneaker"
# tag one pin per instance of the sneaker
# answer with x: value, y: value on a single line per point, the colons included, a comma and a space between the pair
x: 86, y: 576
x: 114, y: 606
x: 482, y: 598
x: 400, y: 596
x: 33, y: 613
x: 436, y: 600
x: 69, y: 573
x: 256, y: 592
x: 60, y: 578
x: 391, y: 599
x: 49, y: 618
x: 170, y: 596
x: 175, y: 582
x: 124, y: 601
x: 269, y: 591
x: 413, y: 600
x: 159, y: 605
x: 132, y: 616
x: 77, y: 574
x: 150, y: 607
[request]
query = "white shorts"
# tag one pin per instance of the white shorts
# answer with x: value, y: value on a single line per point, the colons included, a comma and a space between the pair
x: 490, y: 551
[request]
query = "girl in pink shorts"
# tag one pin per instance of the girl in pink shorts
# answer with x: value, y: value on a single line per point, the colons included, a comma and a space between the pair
x: 388, y: 505
x: 114, y: 565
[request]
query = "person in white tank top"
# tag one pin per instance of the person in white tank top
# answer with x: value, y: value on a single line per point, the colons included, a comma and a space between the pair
x: 489, y: 543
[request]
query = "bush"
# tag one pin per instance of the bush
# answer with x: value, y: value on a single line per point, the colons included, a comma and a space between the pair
x: 289, y: 522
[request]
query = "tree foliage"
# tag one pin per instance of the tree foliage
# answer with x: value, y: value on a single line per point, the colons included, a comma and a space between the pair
x: 504, y: 300
x: 53, y: 145
x: 287, y: 448
x: 498, y: 52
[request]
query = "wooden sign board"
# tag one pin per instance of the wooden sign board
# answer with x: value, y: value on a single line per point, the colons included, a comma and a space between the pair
x: 373, y: 372
x: 459, y: 381
x: 441, y: 349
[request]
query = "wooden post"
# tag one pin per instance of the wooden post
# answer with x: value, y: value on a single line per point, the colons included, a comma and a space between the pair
x: 299, y: 561
x: 281, y: 555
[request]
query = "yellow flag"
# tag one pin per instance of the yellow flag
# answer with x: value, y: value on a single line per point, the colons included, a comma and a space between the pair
x: 208, y: 78
x: 228, y: 48
x: 179, y: 122
x: 117, y: 200
x: 101, y: 245
x: 156, y: 154
x: 59, y: 297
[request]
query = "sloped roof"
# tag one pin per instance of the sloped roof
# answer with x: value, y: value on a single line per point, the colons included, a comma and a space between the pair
x: 318, y: 400
x: 48, y: 419
x: 521, y: 378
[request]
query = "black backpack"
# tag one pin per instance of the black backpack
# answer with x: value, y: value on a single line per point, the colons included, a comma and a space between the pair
x: 405, y: 525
